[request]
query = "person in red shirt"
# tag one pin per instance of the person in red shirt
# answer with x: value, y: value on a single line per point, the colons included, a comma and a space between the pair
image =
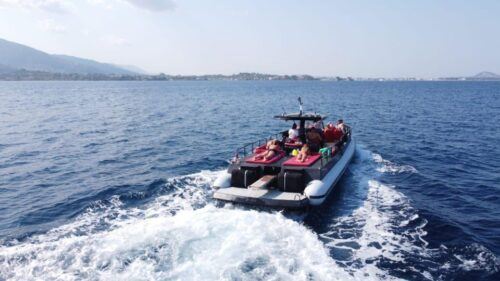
x: 329, y: 133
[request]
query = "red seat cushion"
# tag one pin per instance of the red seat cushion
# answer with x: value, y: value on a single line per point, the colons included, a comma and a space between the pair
x: 276, y: 157
x: 329, y: 135
x: 333, y: 134
x: 260, y: 149
x: 309, y: 161
x: 337, y: 133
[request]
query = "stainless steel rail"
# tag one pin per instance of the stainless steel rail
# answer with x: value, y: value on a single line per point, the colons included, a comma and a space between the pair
x: 248, y: 149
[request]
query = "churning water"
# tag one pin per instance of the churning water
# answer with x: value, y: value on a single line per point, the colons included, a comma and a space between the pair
x: 102, y: 180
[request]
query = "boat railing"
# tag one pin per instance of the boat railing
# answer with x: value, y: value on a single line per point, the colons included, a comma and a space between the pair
x: 248, y: 148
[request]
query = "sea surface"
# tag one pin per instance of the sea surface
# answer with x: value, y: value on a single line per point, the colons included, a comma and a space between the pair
x: 111, y: 181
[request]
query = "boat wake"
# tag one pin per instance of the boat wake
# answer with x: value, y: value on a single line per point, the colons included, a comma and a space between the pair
x: 381, y: 236
x: 386, y: 166
x: 383, y: 230
x: 184, y: 235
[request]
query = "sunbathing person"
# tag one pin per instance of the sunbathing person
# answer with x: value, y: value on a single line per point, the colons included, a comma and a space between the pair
x: 272, y: 149
x: 304, y: 152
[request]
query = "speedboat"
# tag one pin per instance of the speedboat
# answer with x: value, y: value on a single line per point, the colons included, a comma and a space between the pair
x: 283, y: 181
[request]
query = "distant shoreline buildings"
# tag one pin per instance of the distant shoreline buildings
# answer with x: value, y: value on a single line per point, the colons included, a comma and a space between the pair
x: 30, y: 75
x: 22, y: 63
x: 27, y: 75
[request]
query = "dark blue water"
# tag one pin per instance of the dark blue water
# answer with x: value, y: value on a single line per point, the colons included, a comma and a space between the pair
x: 103, y: 180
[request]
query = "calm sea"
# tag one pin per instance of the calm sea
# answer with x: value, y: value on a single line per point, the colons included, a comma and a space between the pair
x: 102, y: 180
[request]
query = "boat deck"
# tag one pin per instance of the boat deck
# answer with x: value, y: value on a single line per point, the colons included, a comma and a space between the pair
x: 264, y: 197
x: 315, y: 171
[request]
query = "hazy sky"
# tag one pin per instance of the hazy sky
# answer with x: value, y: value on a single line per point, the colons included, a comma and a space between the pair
x: 356, y: 38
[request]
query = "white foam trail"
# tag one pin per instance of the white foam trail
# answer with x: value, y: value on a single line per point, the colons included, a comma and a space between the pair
x: 205, y: 244
x: 471, y: 258
x: 390, y: 167
x: 372, y: 232
x: 183, y: 236
x: 386, y: 228
x: 171, y: 239
x: 180, y: 237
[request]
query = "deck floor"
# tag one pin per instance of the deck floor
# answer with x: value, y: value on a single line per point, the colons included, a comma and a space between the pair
x: 262, y: 197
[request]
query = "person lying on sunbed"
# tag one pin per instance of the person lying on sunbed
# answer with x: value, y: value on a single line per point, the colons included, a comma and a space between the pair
x: 272, y: 149
x: 303, y: 153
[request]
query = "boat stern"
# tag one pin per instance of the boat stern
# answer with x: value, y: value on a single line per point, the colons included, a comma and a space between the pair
x: 263, y: 197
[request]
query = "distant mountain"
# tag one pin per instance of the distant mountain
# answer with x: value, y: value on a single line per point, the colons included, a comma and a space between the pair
x: 486, y: 75
x: 134, y: 69
x: 17, y: 56
x: 6, y: 69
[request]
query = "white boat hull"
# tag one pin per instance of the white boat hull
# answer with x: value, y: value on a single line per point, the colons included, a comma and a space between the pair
x: 318, y: 190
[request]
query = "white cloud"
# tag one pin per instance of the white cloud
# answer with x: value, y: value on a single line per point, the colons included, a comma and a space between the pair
x: 61, y: 6
x: 50, y: 25
x: 153, y: 5
x: 85, y: 32
x: 54, y: 6
x: 108, y: 4
x: 116, y: 40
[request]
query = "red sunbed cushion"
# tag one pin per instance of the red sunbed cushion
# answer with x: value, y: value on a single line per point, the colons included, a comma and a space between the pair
x: 260, y: 149
x: 309, y: 161
x: 276, y: 157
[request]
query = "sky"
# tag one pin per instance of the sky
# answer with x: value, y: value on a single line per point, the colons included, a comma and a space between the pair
x: 372, y: 38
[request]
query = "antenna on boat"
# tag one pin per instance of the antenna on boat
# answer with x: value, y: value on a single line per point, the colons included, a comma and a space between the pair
x: 300, y: 105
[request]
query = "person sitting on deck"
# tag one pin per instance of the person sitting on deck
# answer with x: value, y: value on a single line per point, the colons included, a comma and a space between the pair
x: 272, y: 149
x: 344, y: 129
x: 341, y: 126
x: 314, y: 139
x: 318, y: 126
x: 304, y: 152
x: 329, y: 133
x: 293, y: 133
